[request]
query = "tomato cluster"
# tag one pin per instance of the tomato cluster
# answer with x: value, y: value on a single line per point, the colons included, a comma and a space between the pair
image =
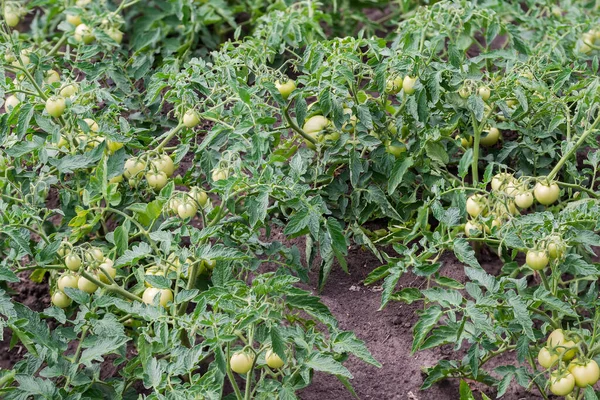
x: 507, y: 196
x: 567, y: 372
x: 88, y: 268
x: 242, y: 362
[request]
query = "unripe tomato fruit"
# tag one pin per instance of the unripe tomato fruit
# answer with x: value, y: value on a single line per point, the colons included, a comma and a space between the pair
x: 113, y: 146
x: 561, y: 383
x: 393, y: 86
x: 55, y: 106
x: 109, y: 269
x: 501, y: 180
x: 484, y: 92
x: 408, y: 84
x: 286, y: 88
x: 464, y: 92
x: 190, y: 118
x: 10, y: 103
x: 472, y: 229
x: 210, y: 264
x: 536, y: 260
x: 66, y: 281
x: 241, y: 362
x: 11, y: 16
x: 114, y: 34
x: 315, y: 124
x: 219, y: 174
x: 52, y: 77
x: 165, y: 164
x: 200, y: 196
x: 61, y: 300
x: 69, y: 90
x: 395, y: 150
x: 97, y: 254
x: 73, y: 19
x: 524, y: 199
x: 186, y: 210
x: 86, y: 286
x: 492, y: 137
x: 116, y: 179
x: 156, y: 180
x: 166, y: 296
x: 273, y: 360
x: 83, y: 34
x: 174, y: 204
x: 558, y: 342
x: 476, y: 205
x: 313, y: 127
x: 585, y: 373
x: 92, y: 125
x: 555, y: 249
x: 546, y: 358
x: 546, y: 194
x: 73, y: 262
x: 133, y: 167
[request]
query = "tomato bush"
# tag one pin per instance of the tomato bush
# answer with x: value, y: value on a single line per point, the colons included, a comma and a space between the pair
x: 149, y: 151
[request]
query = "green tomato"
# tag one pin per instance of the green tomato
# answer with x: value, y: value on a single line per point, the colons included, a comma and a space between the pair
x: 133, y: 167
x: 546, y: 194
x: 473, y: 229
x: 200, y: 196
x: 584, y: 373
x: 546, y: 358
x: 408, y: 84
x: 107, y: 268
x: 191, y: 118
x: 464, y: 92
x: 395, y: 149
x: 69, y: 90
x: 536, y: 260
x: 393, y: 86
x: 501, y: 180
x: 73, y: 262
x: 55, y: 106
x: 273, y: 360
x: 156, y: 180
x: 10, y: 103
x: 61, y: 300
x: 86, y: 285
x: 83, y: 34
x: 113, y: 146
x: 66, y: 281
x: 166, y: 296
x: 52, y: 77
x: 187, y: 210
x: 73, y: 19
x: 484, y: 92
x: 561, y: 382
x: 476, y: 205
x: 114, y: 34
x: 11, y: 16
x: 165, y: 164
x: 492, y: 137
x: 315, y: 124
x: 286, y: 88
x: 219, y: 174
x: 241, y: 362
x: 524, y: 199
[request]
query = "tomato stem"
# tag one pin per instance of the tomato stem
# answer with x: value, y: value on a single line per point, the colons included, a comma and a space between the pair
x: 573, y: 149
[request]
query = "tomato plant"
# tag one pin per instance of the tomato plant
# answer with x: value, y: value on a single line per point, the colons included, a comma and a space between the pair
x: 154, y: 153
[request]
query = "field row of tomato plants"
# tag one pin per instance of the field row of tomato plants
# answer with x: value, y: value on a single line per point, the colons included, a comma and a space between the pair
x: 149, y: 150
